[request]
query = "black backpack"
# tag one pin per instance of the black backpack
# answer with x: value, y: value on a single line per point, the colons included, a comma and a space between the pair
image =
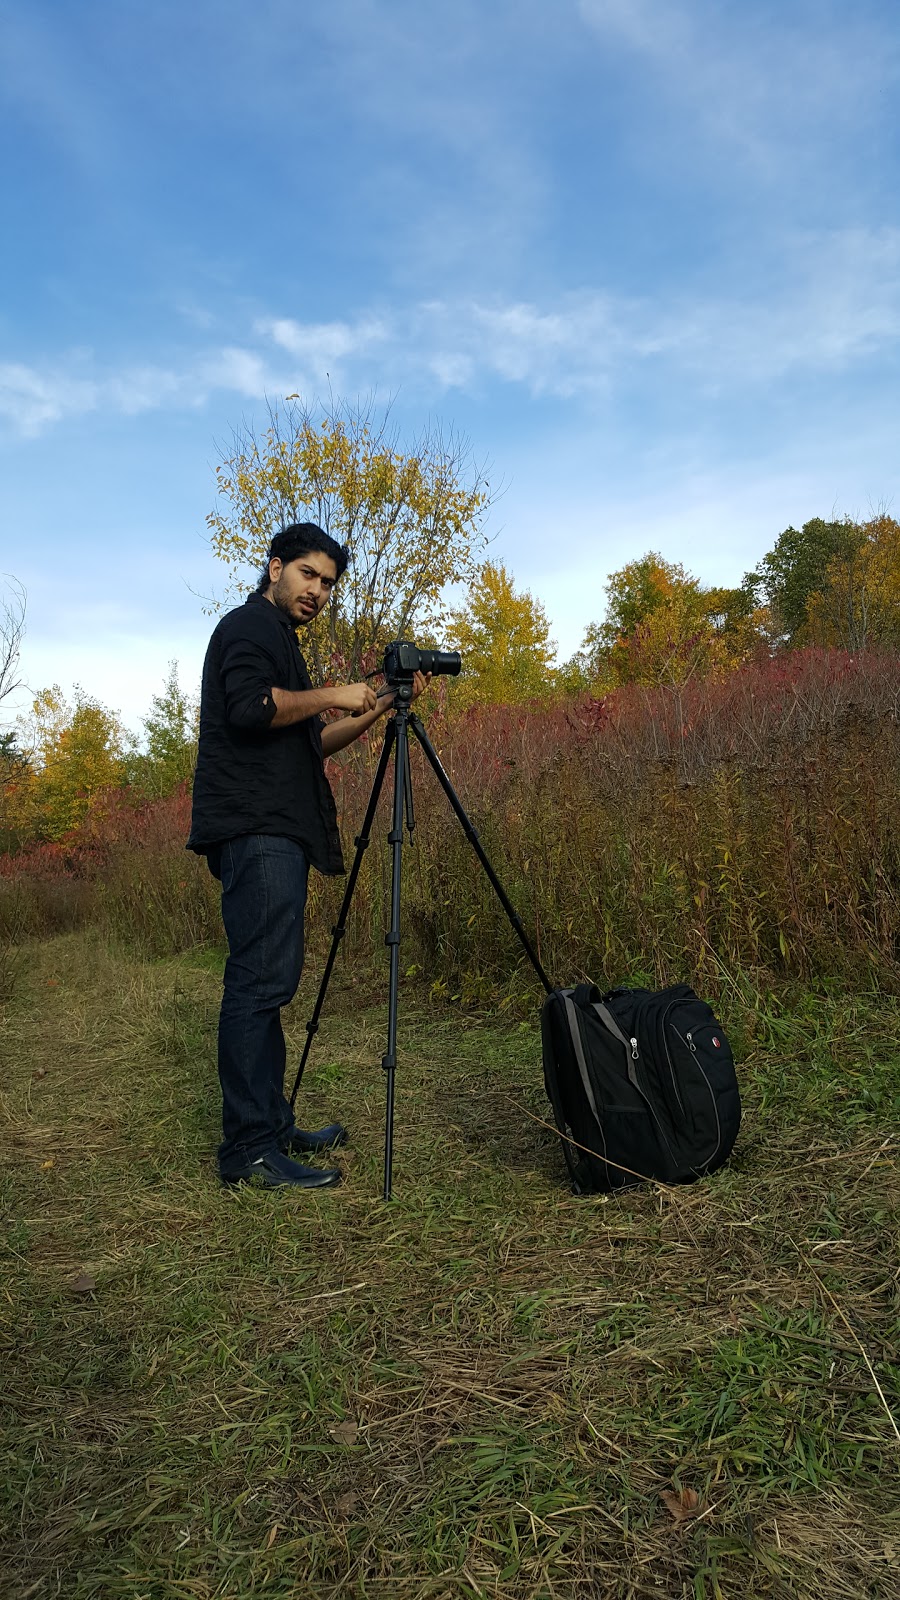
x: 642, y: 1085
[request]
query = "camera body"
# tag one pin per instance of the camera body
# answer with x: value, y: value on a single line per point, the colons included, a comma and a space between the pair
x: 402, y: 660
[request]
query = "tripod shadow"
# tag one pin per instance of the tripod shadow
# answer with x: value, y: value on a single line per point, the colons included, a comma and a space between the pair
x: 493, y: 1123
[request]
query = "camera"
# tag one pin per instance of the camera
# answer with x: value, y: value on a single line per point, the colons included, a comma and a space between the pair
x: 402, y: 660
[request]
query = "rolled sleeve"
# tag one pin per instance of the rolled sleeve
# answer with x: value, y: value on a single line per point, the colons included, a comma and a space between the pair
x: 248, y: 675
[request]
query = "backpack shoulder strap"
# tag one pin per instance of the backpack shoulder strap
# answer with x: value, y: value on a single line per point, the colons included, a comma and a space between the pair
x: 578, y: 1047
x: 552, y: 1082
x: 609, y: 1021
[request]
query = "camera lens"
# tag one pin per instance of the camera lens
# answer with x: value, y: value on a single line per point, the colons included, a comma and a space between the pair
x: 447, y: 662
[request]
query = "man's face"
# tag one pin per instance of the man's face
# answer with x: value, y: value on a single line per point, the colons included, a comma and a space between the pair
x: 302, y: 587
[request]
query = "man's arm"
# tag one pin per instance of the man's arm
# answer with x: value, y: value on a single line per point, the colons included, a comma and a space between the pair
x: 296, y: 705
x: 338, y: 735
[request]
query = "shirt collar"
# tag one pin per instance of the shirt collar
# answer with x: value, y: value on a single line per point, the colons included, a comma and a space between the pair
x: 281, y: 616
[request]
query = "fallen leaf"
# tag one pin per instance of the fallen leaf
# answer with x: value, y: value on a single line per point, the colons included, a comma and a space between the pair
x: 682, y: 1503
x: 85, y: 1283
x: 52, y: 983
x: 273, y: 1535
x: 46, y: 1165
x: 344, y: 1432
x: 346, y: 1504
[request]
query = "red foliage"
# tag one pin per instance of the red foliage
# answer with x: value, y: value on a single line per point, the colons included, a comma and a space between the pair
x: 752, y: 820
x: 113, y: 821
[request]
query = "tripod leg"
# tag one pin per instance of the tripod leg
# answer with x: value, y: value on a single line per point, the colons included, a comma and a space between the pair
x: 395, y: 837
x: 407, y: 785
x: 339, y: 929
x: 472, y: 836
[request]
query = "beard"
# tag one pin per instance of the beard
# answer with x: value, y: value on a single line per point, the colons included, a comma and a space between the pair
x: 290, y: 604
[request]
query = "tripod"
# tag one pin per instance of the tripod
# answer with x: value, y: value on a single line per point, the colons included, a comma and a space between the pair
x: 396, y: 739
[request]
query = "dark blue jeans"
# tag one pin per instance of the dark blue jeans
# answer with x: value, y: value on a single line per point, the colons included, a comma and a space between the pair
x: 263, y: 881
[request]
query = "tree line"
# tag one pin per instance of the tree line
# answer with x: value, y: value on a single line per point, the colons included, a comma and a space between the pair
x: 413, y: 516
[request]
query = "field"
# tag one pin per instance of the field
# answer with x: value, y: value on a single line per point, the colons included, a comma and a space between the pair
x: 488, y: 1388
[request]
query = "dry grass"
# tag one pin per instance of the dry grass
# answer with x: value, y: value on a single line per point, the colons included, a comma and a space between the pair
x: 488, y: 1388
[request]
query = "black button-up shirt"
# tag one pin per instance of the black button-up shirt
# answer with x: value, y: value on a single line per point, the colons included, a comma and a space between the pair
x: 251, y: 777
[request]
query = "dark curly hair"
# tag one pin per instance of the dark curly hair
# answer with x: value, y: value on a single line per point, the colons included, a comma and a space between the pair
x: 298, y: 539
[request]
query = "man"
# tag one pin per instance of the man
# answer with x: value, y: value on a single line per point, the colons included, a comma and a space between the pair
x: 263, y: 812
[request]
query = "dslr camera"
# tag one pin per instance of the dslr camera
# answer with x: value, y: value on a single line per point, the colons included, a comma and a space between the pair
x: 403, y: 660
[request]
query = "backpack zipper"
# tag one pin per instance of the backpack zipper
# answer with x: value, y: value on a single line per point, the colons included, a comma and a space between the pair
x: 689, y: 1041
x: 686, y: 1039
x: 633, y: 1080
x: 669, y: 1056
x: 632, y: 1053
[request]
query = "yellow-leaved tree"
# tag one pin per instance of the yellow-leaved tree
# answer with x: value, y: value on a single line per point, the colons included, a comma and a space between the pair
x: 410, y: 514
x: 663, y: 626
x: 504, y: 638
x: 77, y: 753
x: 858, y: 604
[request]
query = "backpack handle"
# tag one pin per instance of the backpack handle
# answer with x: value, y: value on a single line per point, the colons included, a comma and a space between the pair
x: 586, y: 994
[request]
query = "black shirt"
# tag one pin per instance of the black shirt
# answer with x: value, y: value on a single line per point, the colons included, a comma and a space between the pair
x: 251, y: 777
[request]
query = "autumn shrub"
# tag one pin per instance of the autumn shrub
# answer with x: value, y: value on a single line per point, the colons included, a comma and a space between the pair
x: 751, y: 822
x: 747, y: 823
x: 155, y: 894
x: 123, y: 867
x: 48, y: 889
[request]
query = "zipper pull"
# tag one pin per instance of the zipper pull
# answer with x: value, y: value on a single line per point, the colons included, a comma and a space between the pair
x: 634, y: 1050
x: 690, y: 1040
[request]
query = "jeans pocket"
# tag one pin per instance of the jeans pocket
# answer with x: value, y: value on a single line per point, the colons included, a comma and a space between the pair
x: 225, y: 873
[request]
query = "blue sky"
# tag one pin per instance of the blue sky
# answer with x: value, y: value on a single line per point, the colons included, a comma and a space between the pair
x: 644, y: 253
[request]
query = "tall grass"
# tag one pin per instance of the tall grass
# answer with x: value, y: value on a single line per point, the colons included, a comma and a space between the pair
x: 125, y: 869
x: 751, y: 823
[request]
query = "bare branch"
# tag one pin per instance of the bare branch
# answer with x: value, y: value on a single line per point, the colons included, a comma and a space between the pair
x: 12, y: 632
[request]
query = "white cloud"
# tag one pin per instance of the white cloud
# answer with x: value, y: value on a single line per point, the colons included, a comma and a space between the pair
x: 31, y: 400
x: 244, y: 371
x: 837, y: 306
x: 319, y: 343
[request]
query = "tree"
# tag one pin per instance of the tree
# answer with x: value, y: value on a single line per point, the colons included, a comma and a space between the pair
x: 15, y: 775
x: 676, y: 642
x: 638, y: 590
x: 504, y: 638
x: 858, y: 603
x: 411, y: 517
x: 78, y: 754
x: 12, y: 630
x: 795, y: 569
x: 13, y: 759
x: 171, y: 740
x: 663, y: 626
x: 655, y: 628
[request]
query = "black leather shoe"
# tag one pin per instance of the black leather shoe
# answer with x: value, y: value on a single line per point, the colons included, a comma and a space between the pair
x: 274, y: 1170
x: 303, y: 1139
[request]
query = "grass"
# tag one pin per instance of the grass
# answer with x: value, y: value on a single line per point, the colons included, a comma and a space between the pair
x: 487, y: 1388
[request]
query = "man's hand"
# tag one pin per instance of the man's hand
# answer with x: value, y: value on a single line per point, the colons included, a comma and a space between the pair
x: 357, y: 698
x: 295, y: 705
x: 421, y: 680
x: 337, y: 735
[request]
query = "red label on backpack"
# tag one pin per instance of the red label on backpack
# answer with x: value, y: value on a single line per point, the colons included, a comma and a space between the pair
x: 716, y: 1042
